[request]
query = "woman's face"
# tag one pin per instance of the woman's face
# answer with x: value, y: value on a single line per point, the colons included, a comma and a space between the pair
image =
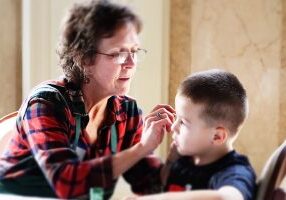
x: 107, y: 77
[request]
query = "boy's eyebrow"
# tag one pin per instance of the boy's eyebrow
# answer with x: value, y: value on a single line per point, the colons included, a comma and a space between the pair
x: 187, y: 120
x: 181, y: 117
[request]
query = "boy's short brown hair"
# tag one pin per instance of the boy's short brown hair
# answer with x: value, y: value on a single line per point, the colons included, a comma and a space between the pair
x: 222, y: 95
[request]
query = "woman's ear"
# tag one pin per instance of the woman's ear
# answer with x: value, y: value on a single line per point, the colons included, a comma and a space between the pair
x: 220, y: 135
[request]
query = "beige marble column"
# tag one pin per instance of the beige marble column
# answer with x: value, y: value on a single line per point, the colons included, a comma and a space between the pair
x: 282, y: 85
x: 10, y: 56
x: 180, y: 44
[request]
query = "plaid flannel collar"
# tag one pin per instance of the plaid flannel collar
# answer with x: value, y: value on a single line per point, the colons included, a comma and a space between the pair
x: 116, y: 105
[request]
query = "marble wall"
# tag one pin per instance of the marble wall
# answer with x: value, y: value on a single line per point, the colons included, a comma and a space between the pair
x: 244, y: 37
x: 10, y: 56
x: 282, y: 78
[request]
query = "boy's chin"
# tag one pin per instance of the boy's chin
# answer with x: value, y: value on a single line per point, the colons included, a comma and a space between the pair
x: 175, y: 145
x: 181, y: 152
x: 184, y: 152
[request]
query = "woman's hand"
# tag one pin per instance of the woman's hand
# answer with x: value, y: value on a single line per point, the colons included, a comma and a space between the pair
x: 154, y: 128
x: 156, y: 124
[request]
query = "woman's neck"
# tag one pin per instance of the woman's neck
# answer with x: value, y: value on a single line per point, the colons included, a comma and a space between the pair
x: 95, y: 107
x: 93, y: 99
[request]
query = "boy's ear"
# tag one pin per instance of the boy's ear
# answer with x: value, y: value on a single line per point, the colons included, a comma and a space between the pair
x: 220, y: 135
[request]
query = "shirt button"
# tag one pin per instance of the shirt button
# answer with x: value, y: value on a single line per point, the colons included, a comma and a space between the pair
x: 100, y: 151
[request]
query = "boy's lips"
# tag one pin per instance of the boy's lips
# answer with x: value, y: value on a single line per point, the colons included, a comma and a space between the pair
x: 174, y: 143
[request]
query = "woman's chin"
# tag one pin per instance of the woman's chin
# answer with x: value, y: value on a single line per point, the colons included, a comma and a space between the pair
x: 123, y: 91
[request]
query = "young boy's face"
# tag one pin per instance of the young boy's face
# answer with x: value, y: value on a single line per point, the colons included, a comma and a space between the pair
x: 191, y: 134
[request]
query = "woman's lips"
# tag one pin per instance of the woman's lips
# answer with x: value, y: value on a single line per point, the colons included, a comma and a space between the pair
x: 124, y: 79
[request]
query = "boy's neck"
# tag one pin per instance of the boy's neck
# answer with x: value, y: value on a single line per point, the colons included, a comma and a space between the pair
x: 212, y: 155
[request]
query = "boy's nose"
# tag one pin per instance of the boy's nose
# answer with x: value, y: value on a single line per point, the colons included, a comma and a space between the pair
x: 174, y: 129
x: 174, y: 126
x: 173, y: 135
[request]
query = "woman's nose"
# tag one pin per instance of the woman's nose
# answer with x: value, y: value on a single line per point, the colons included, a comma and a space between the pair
x: 130, y: 60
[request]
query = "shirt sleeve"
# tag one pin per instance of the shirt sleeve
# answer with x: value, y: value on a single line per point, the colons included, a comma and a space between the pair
x: 144, y: 176
x: 240, y: 177
x: 47, y: 129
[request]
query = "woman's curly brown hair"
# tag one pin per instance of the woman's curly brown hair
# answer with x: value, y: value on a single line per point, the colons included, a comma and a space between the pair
x: 84, y: 26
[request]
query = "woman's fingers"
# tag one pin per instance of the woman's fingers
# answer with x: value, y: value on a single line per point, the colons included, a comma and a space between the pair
x: 156, y: 124
x: 166, y: 120
x: 162, y: 111
x: 166, y: 106
x: 154, y: 131
x: 162, y: 118
x: 148, y: 120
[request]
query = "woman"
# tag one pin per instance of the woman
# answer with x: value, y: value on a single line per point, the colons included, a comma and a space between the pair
x: 82, y: 132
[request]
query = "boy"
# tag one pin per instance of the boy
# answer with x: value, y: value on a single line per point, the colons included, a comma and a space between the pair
x: 211, y: 107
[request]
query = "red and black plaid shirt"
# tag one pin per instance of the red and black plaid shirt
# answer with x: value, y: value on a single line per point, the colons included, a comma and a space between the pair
x: 40, y: 154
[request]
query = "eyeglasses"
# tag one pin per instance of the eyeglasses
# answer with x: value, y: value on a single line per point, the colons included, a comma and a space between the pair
x: 121, y: 57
